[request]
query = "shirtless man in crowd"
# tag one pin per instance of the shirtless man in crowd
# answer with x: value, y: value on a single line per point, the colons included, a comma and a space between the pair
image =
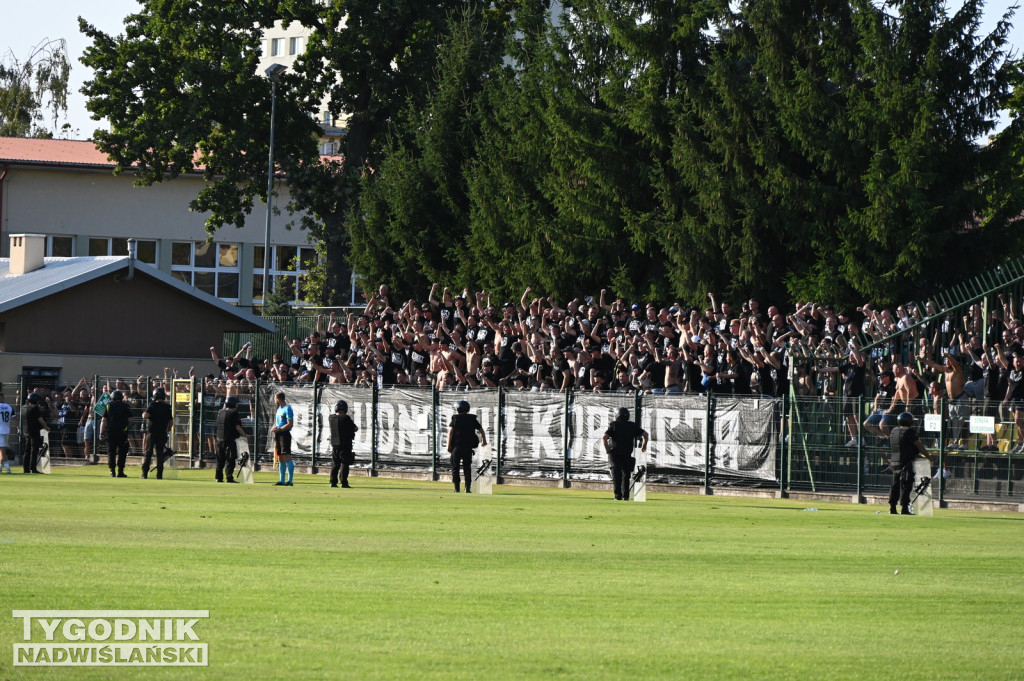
x: 954, y: 379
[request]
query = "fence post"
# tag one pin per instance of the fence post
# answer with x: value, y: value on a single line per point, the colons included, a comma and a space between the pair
x: 787, y: 437
x: 256, y: 428
x: 783, y: 460
x: 567, y: 423
x: 499, y: 436
x: 375, y: 413
x: 1009, y: 475
x: 95, y: 420
x: 315, y: 425
x: 860, y: 450
x: 942, y: 446
x: 200, y: 415
x: 435, y: 431
x: 192, y: 421
x: 20, y: 401
x: 708, y: 430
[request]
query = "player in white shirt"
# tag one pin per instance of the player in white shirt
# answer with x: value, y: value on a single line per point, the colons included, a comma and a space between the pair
x: 6, y: 415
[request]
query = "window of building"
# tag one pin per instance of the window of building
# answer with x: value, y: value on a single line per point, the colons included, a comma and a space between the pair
x: 210, y: 267
x: 288, y: 265
x: 275, y: 46
x: 293, y: 45
x: 147, y: 250
x: 60, y: 247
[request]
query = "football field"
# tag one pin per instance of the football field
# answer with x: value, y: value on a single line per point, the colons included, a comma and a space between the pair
x: 398, y: 579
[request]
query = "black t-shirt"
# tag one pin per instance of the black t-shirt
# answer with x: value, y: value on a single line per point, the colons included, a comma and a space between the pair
x: 505, y: 353
x: 584, y: 373
x: 340, y: 342
x: 741, y: 384
x: 853, y: 379
x: 887, y: 390
x: 768, y: 377
x: 419, y: 360
x: 1015, y: 386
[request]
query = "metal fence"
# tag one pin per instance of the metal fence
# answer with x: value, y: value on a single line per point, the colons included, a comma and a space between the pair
x: 831, y: 449
x: 800, y: 444
x: 546, y: 436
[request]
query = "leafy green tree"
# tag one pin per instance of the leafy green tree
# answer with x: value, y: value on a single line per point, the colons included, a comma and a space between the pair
x: 181, y: 90
x: 823, y: 149
x: 841, y: 146
x: 556, y: 170
x: 34, y: 91
x: 412, y: 220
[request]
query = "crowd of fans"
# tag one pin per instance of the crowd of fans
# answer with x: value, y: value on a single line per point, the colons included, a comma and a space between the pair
x: 463, y: 342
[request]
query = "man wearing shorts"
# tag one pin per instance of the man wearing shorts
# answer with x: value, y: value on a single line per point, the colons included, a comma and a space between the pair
x: 886, y: 391
x: 284, y: 419
x: 6, y: 414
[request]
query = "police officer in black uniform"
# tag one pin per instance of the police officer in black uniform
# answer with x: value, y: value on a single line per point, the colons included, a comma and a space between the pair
x: 158, y: 415
x: 619, y: 441
x: 34, y: 426
x: 904, y: 448
x: 343, y: 432
x: 114, y: 426
x: 229, y: 429
x: 462, y: 440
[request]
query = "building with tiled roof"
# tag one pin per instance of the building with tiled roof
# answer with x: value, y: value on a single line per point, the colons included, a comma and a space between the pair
x: 66, y: 190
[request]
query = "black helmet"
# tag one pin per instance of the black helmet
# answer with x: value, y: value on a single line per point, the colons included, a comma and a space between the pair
x: 34, y: 397
x: 906, y: 419
x: 117, y: 395
x: 231, y: 402
x: 462, y: 406
x: 159, y: 394
x: 342, y: 405
x: 623, y: 414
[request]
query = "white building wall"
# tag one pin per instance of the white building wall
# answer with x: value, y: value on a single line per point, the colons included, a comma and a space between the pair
x: 85, y: 204
x: 290, y: 43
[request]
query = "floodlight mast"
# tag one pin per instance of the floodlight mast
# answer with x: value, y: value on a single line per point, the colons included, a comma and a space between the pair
x: 274, y: 72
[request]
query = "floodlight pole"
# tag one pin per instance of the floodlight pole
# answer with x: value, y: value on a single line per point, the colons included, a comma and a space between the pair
x: 273, y: 72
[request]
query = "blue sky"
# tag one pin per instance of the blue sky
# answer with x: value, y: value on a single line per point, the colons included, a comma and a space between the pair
x: 26, y: 24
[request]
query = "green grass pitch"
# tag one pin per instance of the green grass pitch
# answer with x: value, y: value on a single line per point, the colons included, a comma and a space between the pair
x: 398, y: 579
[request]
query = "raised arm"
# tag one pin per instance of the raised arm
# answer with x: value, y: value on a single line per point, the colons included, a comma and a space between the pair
x: 523, y: 301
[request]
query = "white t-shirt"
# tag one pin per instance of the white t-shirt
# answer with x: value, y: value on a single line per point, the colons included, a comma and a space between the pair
x: 6, y: 414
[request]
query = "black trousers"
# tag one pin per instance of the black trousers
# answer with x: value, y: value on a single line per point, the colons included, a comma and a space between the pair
x: 462, y: 458
x: 227, y: 453
x: 902, y: 483
x: 622, y: 476
x: 155, y: 442
x: 117, y: 453
x: 33, y: 445
x: 342, y: 460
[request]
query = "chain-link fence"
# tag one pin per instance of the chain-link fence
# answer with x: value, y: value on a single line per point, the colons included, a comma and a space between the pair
x: 799, y: 444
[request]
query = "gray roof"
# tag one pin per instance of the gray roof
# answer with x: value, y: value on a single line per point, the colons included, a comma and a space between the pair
x: 58, y: 274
